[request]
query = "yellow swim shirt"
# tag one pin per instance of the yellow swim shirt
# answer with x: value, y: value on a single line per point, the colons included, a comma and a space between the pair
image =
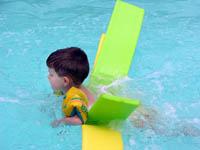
x: 75, y: 102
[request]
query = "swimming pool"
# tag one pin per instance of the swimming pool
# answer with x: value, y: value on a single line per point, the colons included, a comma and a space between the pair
x: 164, y: 74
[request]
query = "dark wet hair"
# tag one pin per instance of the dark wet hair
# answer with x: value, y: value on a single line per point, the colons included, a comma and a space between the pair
x: 71, y: 62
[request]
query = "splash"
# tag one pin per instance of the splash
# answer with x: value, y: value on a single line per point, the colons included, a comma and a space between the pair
x: 124, y: 87
x: 114, y: 84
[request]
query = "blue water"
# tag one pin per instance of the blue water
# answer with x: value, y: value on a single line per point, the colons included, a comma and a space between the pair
x: 164, y: 74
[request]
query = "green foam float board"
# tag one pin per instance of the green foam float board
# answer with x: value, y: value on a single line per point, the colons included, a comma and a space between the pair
x: 109, y: 107
x: 118, y: 48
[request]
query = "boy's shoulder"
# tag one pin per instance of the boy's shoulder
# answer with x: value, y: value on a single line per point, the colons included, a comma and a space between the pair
x: 76, y: 92
x: 89, y: 94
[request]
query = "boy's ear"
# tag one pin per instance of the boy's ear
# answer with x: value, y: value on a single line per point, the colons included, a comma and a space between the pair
x: 66, y: 81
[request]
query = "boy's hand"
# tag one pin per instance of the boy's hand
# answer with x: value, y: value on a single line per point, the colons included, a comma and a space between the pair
x: 55, y: 123
x: 67, y: 120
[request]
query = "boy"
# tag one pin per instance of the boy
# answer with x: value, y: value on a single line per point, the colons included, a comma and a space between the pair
x: 68, y: 68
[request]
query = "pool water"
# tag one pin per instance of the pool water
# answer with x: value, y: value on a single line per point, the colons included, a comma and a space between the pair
x: 164, y: 74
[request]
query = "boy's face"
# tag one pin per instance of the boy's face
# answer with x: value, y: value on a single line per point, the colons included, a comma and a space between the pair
x: 57, y: 83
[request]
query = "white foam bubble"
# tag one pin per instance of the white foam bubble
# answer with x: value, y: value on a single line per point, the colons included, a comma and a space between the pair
x: 166, y: 70
x: 8, y: 100
x: 170, y: 110
x: 132, y: 141
x: 159, y: 86
x: 196, y: 121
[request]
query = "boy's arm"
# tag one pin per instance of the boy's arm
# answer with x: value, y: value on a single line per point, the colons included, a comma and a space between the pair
x: 67, y: 120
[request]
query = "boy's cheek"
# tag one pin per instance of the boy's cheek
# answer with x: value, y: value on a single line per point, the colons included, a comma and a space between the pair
x: 55, y: 86
x: 52, y: 84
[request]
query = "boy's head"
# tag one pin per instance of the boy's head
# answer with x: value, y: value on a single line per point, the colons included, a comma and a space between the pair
x: 67, y: 67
